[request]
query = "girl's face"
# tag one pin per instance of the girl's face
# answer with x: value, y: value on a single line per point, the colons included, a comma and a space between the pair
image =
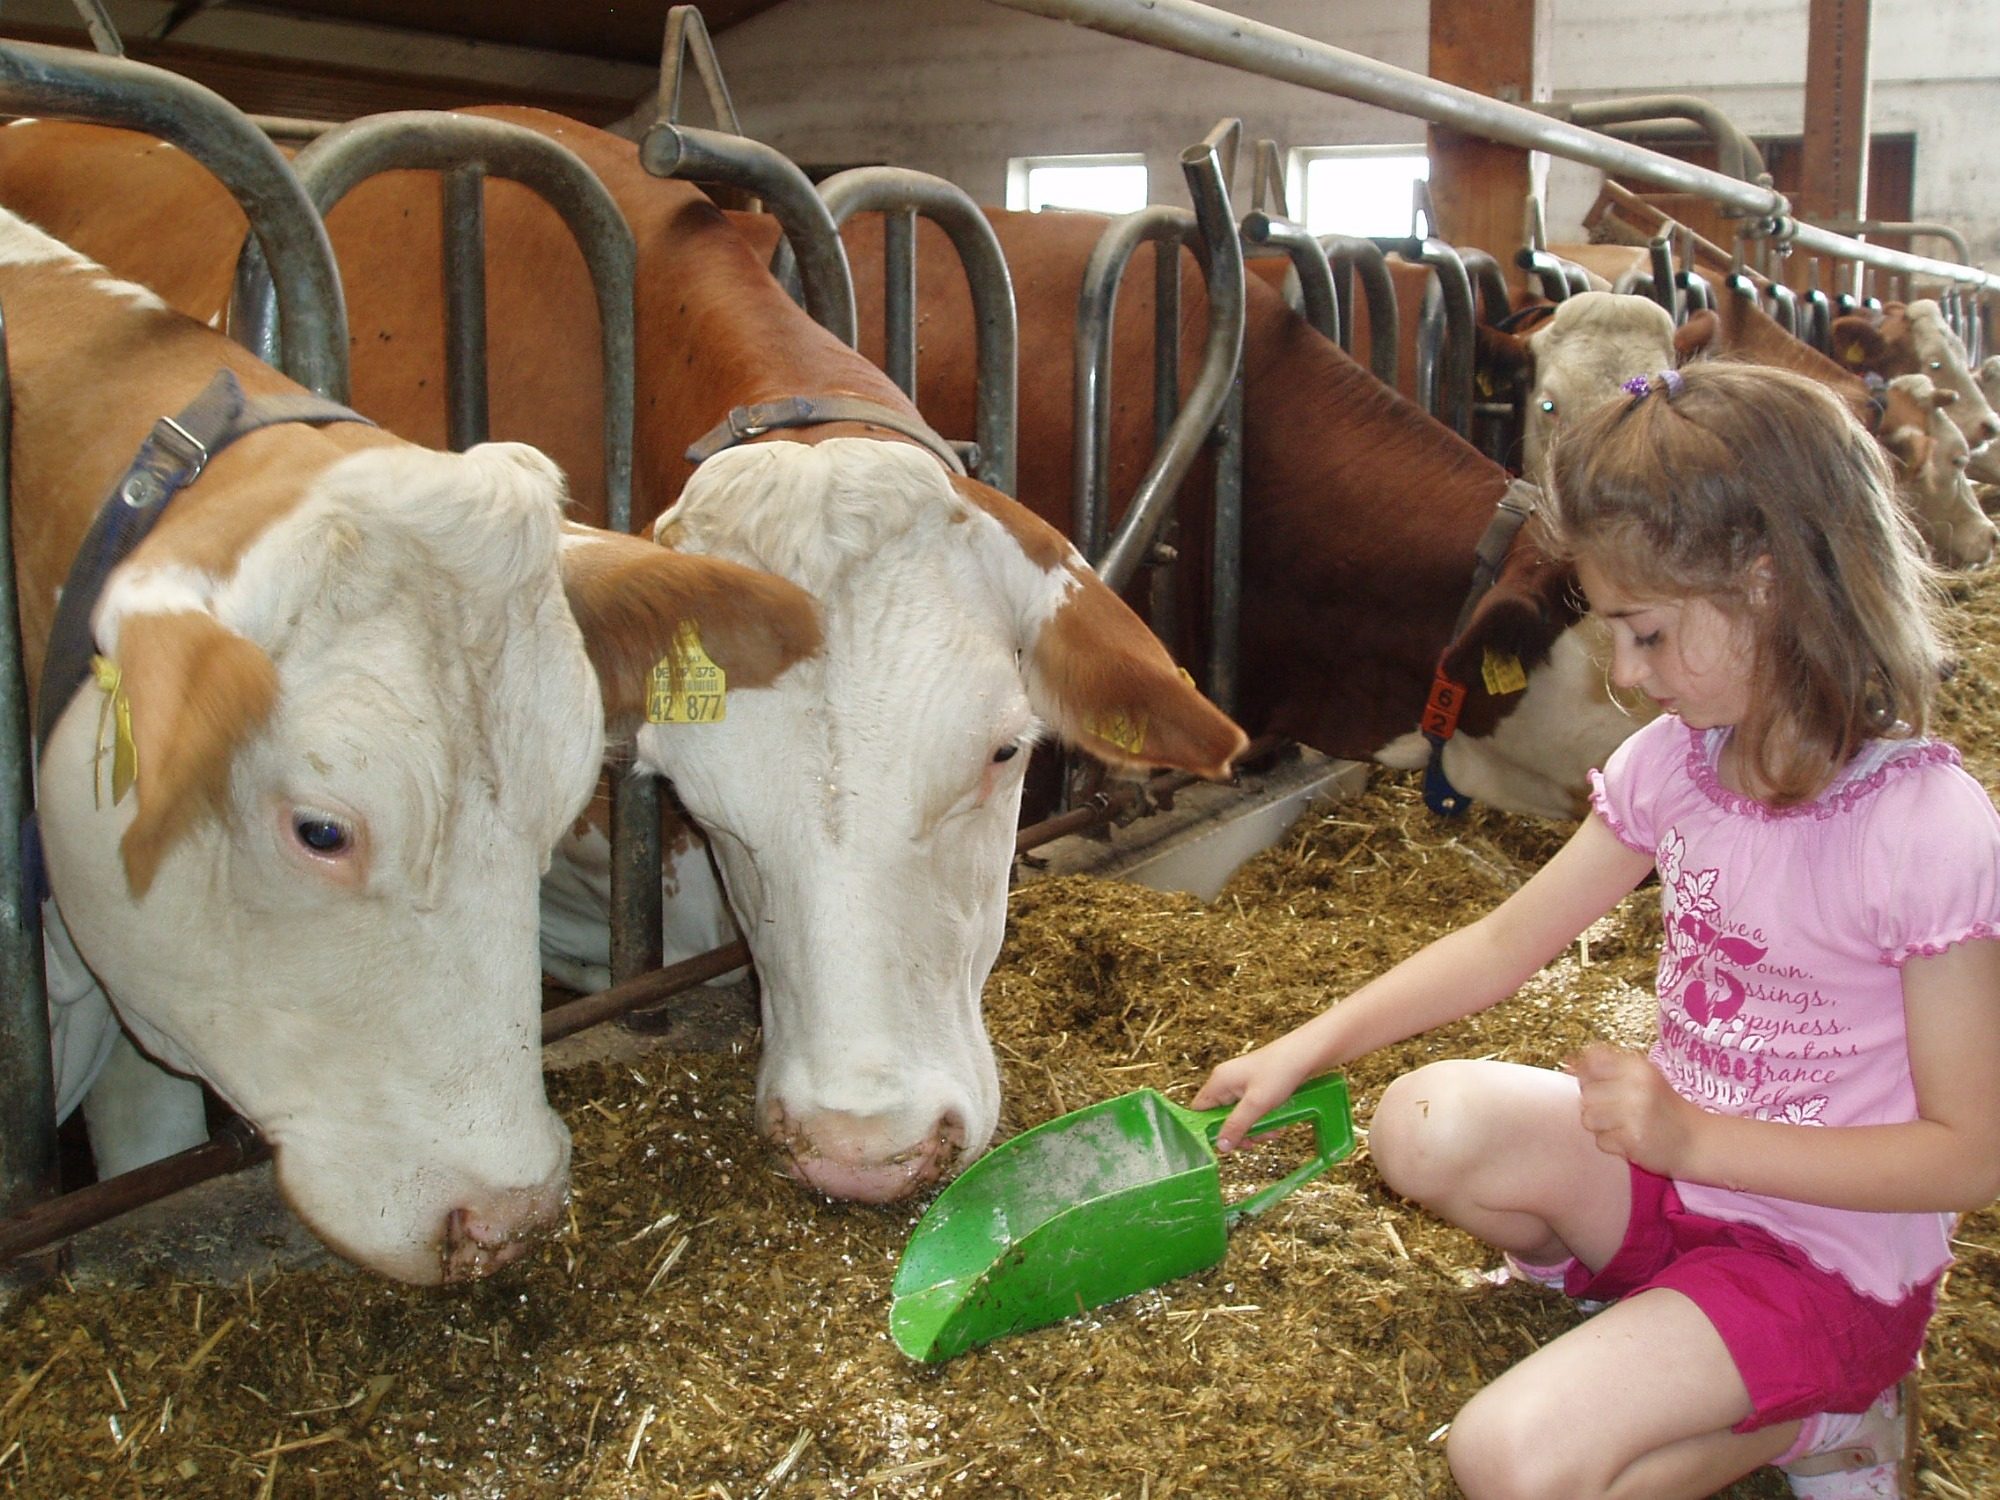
x: 1688, y: 656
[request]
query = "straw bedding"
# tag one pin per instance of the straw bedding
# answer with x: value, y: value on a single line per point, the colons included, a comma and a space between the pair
x: 704, y: 1328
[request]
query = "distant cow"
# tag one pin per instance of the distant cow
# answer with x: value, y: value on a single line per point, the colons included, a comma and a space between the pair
x: 1361, y: 518
x: 1913, y: 338
x: 862, y: 806
x: 294, y: 819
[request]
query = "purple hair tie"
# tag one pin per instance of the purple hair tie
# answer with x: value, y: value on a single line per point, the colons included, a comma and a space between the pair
x: 1670, y: 381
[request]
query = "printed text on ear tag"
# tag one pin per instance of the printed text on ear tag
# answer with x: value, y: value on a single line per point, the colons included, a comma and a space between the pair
x: 1502, y: 673
x: 699, y: 697
x: 1126, y: 731
x: 114, y: 715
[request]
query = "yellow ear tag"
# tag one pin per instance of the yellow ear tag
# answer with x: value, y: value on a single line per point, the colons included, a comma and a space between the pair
x: 1126, y: 731
x: 115, y: 714
x: 1502, y: 673
x: 1855, y: 354
x: 704, y: 687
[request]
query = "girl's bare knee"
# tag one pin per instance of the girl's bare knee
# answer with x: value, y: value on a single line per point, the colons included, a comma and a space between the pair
x: 1425, y: 1135
x: 1499, y: 1451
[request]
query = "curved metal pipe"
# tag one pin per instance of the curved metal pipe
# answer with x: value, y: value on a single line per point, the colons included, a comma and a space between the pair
x: 1736, y: 154
x: 1452, y: 402
x: 1494, y: 301
x: 1351, y: 255
x: 1223, y: 263
x: 1316, y: 289
x: 1215, y: 35
x: 996, y: 329
x: 694, y: 155
x: 62, y: 83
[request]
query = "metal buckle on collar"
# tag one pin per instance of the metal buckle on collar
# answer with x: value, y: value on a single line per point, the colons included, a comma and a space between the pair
x: 754, y: 421
x: 170, y: 459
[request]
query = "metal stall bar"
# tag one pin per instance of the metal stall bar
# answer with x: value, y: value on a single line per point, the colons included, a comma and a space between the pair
x: 1322, y: 303
x: 1736, y: 154
x: 1213, y: 229
x: 1349, y: 255
x: 467, y: 149
x: 64, y: 84
x: 1216, y: 35
x: 27, y: 1072
x: 693, y: 155
x: 1451, y: 403
x: 900, y: 194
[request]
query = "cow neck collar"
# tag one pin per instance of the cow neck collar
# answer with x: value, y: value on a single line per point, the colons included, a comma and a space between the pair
x: 1447, y: 695
x: 170, y: 459
x: 746, y: 422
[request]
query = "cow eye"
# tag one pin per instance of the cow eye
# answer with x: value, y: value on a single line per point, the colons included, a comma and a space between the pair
x: 1005, y: 753
x: 1937, y: 364
x: 1549, y: 407
x: 320, y: 835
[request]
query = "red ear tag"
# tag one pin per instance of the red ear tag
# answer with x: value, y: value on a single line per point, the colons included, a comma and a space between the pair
x: 1441, y: 709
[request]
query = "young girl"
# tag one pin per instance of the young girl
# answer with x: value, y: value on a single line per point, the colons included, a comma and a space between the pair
x: 1766, y: 1199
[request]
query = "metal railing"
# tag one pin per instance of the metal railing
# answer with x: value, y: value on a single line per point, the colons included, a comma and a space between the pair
x: 1219, y: 36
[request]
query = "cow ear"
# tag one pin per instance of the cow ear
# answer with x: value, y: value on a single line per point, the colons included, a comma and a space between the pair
x: 1856, y: 342
x: 1696, y: 335
x: 1909, y: 446
x: 1943, y: 396
x: 1095, y: 673
x: 197, y: 692
x: 632, y: 598
x: 1501, y: 357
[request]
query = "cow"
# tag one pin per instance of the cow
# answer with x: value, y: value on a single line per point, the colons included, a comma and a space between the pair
x: 1913, y: 338
x: 1362, y: 515
x: 1984, y: 465
x: 293, y: 814
x: 1930, y: 457
x: 862, y: 806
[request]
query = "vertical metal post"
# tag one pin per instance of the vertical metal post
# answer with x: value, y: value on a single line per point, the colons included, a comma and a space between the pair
x: 27, y: 1073
x: 1226, y: 580
x: 899, y: 299
x: 466, y: 422
x: 1163, y: 584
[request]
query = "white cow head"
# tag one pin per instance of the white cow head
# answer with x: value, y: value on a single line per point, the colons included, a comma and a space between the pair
x: 863, y: 806
x: 356, y: 741
x: 1595, y: 342
x: 1930, y: 455
x: 1984, y: 467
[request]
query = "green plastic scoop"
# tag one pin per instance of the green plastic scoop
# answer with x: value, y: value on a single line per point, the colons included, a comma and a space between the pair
x: 1089, y: 1207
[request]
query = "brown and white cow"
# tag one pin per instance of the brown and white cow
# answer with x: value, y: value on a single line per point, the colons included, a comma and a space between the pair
x: 862, y: 806
x: 1913, y: 338
x: 1361, y: 517
x: 294, y: 826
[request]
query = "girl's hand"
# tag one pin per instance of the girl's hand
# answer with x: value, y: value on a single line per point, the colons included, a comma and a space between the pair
x: 1257, y: 1083
x: 1632, y: 1110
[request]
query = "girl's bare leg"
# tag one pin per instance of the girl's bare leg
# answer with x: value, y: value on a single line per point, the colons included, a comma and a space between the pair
x: 1635, y: 1404
x: 1500, y: 1150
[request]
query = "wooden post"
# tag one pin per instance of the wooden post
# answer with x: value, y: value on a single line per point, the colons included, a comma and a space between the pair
x: 1498, y: 48
x: 1834, y: 160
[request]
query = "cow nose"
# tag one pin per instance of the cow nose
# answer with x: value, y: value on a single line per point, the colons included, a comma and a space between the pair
x: 858, y: 1157
x: 481, y: 1237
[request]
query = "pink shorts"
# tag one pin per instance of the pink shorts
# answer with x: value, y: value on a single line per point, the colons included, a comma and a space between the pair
x: 1803, y: 1339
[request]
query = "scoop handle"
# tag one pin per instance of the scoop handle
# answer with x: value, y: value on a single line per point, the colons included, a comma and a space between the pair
x: 1321, y: 1100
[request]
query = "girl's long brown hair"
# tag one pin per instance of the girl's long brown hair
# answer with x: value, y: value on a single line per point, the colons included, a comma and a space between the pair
x: 1684, y: 494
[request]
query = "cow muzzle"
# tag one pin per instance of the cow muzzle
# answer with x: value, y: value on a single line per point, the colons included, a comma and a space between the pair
x: 863, y: 1158
x: 481, y: 1237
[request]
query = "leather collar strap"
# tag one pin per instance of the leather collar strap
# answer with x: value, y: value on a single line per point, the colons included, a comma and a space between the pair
x: 745, y: 422
x: 172, y: 458
x: 1447, y: 697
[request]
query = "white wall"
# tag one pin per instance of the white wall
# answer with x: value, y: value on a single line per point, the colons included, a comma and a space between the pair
x: 955, y: 87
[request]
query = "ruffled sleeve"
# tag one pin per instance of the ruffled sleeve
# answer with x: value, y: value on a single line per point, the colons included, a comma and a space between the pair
x: 1932, y: 845
x: 1620, y: 793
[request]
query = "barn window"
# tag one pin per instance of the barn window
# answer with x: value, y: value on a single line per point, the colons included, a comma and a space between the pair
x: 1355, y: 189
x: 1111, y: 183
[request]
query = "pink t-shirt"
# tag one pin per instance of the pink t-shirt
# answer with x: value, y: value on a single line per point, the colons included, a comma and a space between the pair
x: 1780, y: 982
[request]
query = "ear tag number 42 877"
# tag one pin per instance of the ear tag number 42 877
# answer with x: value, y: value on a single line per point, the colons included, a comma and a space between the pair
x: 701, y: 695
